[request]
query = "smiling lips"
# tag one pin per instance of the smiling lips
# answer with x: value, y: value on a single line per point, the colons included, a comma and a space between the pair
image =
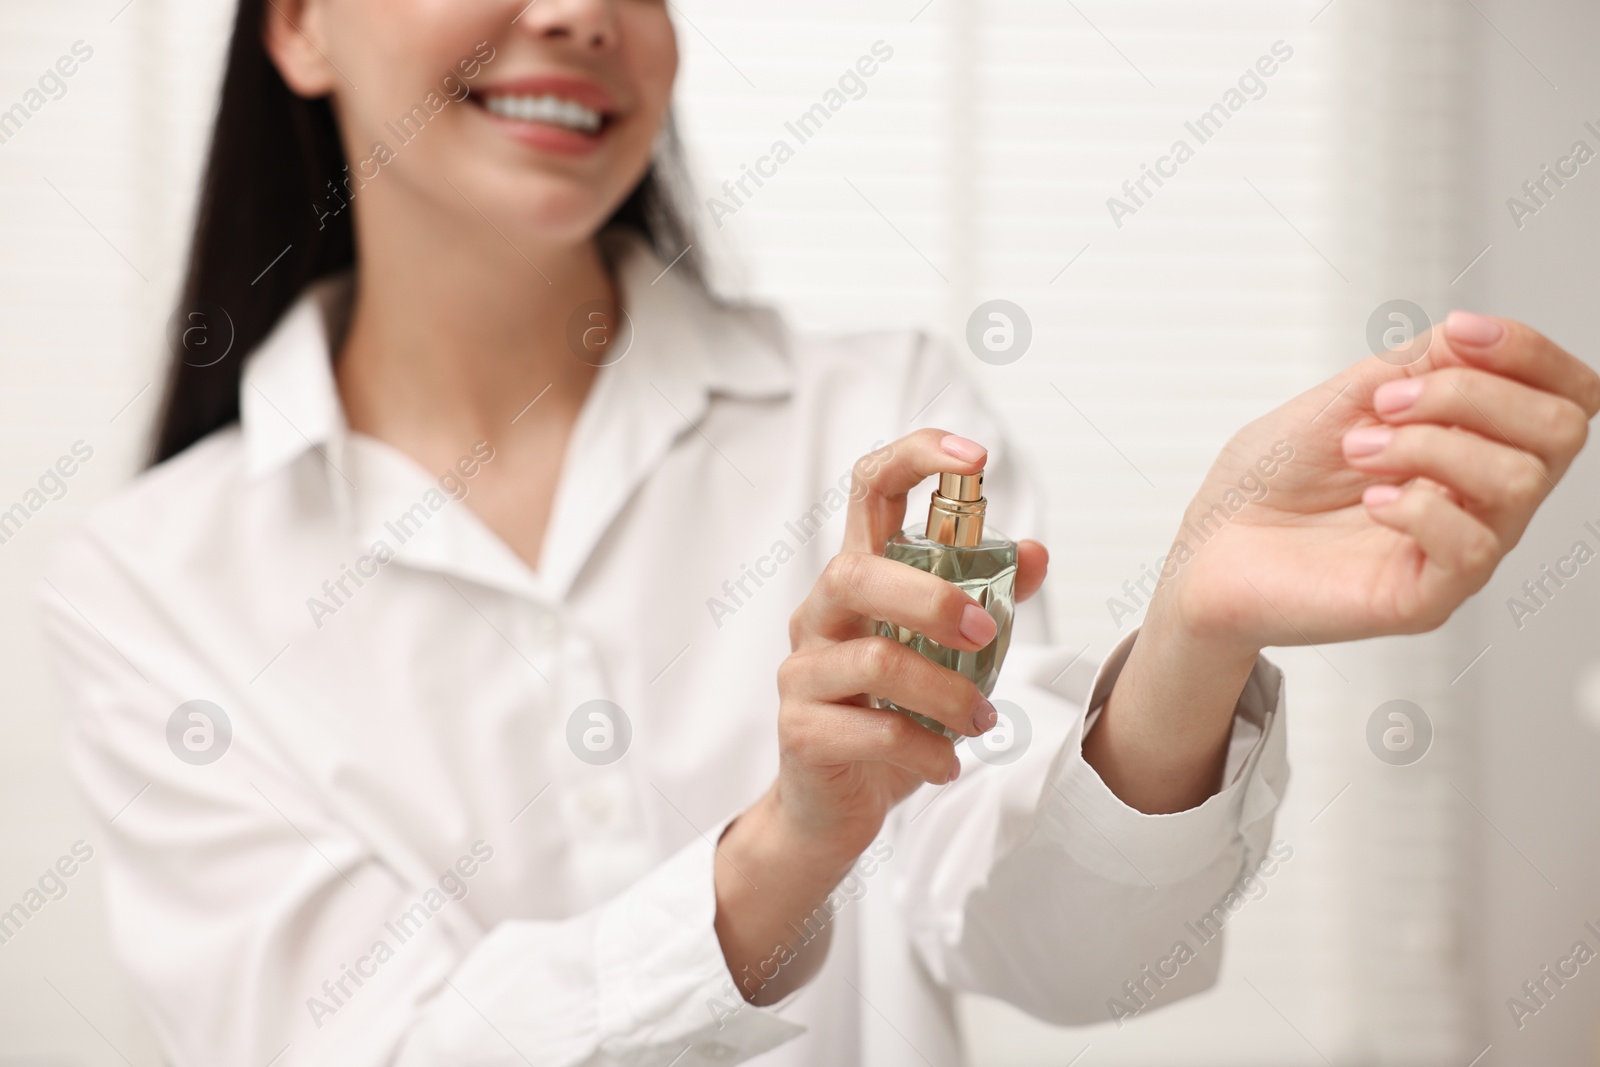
x: 550, y: 109
x: 568, y: 116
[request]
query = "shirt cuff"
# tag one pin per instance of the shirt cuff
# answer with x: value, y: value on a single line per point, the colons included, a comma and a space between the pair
x: 663, y: 979
x: 640, y: 980
x: 1126, y: 845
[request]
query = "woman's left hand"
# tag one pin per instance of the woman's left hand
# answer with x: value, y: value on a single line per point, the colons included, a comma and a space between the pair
x: 1374, y: 504
x: 1407, y: 486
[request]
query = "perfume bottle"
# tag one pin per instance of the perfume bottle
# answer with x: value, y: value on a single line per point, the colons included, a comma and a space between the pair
x: 953, y: 547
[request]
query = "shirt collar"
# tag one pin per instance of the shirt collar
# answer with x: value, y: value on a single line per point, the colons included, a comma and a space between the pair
x: 685, y: 348
x: 289, y: 401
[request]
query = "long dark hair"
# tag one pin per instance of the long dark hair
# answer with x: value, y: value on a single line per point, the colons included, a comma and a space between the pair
x: 258, y: 242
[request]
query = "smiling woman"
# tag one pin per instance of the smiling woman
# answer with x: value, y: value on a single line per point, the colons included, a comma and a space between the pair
x: 272, y: 218
x: 692, y: 842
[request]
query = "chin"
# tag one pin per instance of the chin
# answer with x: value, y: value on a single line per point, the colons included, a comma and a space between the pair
x: 561, y: 219
x: 547, y: 209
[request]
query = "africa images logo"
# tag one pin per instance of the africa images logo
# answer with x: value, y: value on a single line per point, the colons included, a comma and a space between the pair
x: 199, y: 732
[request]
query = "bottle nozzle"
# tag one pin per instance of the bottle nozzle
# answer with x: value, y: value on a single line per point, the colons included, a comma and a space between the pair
x: 963, y: 487
x: 955, y: 514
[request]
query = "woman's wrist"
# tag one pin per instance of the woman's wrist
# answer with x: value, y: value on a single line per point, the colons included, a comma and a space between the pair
x: 1195, y: 643
x: 772, y: 835
x: 1161, y: 740
x: 771, y: 877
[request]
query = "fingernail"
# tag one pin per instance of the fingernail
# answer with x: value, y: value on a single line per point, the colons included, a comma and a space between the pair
x: 961, y: 448
x: 1472, y: 329
x: 1367, y: 441
x: 977, y: 625
x: 1397, y: 396
x: 985, y: 717
x: 1376, y: 496
x: 955, y: 769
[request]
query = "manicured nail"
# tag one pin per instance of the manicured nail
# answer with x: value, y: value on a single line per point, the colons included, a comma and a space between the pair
x: 1367, y: 441
x: 1471, y: 329
x: 962, y: 449
x: 1376, y: 496
x: 985, y: 717
x: 977, y: 625
x: 955, y: 769
x: 1397, y: 396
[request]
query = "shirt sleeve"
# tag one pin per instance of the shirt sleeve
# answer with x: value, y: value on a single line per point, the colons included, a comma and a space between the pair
x: 1027, y: 879
x: 1032, y: 882
x: 233, y: 894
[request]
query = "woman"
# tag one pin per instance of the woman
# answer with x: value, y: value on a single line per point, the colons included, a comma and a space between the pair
x: 480, y: 677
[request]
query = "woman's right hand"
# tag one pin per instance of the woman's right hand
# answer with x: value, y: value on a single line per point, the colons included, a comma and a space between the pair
x: 844, y: 764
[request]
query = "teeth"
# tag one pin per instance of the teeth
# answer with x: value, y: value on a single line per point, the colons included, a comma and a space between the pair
x: 547, y: 109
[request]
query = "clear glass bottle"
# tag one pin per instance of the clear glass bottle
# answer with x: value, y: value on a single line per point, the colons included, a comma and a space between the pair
x: 953, y: 547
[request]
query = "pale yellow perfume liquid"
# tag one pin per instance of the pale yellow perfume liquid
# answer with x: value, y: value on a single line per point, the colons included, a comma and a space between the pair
x: 987, y: 573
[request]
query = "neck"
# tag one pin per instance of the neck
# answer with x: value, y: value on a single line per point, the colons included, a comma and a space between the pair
x: 453, y: 331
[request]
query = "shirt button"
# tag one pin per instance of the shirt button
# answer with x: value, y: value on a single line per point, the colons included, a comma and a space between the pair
x: 547, y: 628
x: 716, y: 1050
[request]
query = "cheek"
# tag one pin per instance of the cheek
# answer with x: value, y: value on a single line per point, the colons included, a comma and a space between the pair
x: 397, y: 52
x: 652, y: 56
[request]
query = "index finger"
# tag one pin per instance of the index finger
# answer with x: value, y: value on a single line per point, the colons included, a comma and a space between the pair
x: 881, y: 480
x: 1524, y: 354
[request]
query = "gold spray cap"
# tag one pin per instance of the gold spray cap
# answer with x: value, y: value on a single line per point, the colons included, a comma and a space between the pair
x: 955, y: 514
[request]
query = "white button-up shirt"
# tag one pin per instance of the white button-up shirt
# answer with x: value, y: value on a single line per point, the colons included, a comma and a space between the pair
x: 435, y: 807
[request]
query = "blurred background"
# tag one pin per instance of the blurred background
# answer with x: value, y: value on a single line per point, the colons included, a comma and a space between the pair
x: 1383, y: 159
